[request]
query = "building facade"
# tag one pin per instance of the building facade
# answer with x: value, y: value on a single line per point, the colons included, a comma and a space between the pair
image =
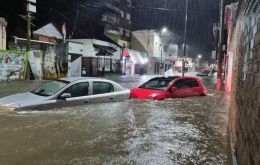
x: 96, y: 56
x: 161, y: 53
x: 117, y: 20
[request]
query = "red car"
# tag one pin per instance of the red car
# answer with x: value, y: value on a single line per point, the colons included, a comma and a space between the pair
x: 160, y: 88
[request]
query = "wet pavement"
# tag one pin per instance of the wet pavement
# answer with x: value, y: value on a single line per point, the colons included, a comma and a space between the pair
x: 173, y: 131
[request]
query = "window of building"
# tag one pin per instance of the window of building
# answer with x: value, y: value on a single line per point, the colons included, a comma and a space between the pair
x: 102, y: 87
x: 121, y: 31
x: 128, y: 16
x: 124, y: 33
x: 127, y: 33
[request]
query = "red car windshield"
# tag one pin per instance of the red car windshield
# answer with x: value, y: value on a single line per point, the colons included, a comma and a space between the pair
x: 158, y: 83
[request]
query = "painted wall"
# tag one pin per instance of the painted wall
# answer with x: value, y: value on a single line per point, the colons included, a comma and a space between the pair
x: 13, y: 65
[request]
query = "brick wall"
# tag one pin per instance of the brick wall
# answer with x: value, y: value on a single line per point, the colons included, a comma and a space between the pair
x: 245, y: 93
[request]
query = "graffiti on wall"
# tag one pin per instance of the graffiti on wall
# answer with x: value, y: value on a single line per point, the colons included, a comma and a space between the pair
x: 12, y: 65
x: 49, y: 64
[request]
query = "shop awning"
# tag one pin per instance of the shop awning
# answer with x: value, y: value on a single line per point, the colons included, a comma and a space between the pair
x: 104, y: 50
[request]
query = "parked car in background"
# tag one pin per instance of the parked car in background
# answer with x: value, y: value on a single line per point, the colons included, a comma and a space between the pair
x: 160, y: 88
x: 71, y: 91
x: 203, y: 73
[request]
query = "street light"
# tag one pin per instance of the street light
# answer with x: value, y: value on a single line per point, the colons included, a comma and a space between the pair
x: 164, y: 30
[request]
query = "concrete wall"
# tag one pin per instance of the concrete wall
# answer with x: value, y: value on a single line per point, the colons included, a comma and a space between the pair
x: 148, y: 40
x: 3, y: 25
x: 245, y: 95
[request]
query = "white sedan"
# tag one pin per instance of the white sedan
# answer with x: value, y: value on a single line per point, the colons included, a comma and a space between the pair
x: 64, y: 92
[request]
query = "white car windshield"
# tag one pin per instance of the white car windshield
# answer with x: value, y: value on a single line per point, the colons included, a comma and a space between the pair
x: 50, y: 88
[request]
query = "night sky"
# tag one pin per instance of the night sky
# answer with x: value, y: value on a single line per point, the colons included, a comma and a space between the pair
x: 146, y: 14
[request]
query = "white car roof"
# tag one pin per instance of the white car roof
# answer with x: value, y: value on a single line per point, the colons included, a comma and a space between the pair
x: 71, y: 79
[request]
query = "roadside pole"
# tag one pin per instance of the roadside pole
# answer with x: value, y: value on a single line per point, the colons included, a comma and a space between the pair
x: 28, y: 43
x: 220, y: 52
x: 185, y: 36
x: 31, y: 8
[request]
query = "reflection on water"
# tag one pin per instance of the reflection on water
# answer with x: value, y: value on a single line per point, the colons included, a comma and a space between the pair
x: 179, y: 131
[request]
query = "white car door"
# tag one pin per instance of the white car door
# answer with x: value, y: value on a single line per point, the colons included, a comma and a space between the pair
x: 79, y: 93
x: 103, y: 92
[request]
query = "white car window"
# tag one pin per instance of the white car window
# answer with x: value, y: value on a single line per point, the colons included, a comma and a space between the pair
x: 79, y: 89
x: 102, y: 87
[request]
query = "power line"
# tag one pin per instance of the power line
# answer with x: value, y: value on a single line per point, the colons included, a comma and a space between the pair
x: 68, y: 19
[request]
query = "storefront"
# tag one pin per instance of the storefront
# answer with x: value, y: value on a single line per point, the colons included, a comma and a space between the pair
x: 134, y: 62
x: 97, y: 57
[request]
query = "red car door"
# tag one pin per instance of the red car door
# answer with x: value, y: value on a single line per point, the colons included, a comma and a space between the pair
x: 185, y: 87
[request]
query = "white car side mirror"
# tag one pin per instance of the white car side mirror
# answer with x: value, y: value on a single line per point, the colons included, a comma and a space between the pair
x: 65, y: 95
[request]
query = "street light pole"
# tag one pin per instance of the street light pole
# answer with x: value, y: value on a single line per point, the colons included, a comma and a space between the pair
x: 185, y: 36
x: 199, y: 57
x: 164, y: 30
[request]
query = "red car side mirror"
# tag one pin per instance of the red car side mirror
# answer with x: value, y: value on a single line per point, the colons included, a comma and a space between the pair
x: 174, y: 89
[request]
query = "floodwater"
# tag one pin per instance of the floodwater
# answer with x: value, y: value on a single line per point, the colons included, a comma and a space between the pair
x: 173, y: 131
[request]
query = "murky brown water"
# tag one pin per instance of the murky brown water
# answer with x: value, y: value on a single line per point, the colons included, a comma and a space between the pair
x: 180, y: 131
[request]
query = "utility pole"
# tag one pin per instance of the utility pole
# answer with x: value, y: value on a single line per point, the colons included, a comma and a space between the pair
x: 28, y: 43
x: 185, y: 36
x: 220, y: 52
x: 31, y: 8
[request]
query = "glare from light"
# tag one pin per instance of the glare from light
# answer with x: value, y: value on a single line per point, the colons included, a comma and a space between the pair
x: 199, y: 56
x: 123, y: 60
x: 164, y: 30
x: 145, y: 60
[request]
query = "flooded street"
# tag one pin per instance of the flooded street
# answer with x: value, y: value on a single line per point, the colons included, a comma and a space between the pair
x: 173, y: 131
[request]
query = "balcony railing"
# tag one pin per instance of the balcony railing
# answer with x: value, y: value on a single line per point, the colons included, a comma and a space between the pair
x: 111, y: 19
